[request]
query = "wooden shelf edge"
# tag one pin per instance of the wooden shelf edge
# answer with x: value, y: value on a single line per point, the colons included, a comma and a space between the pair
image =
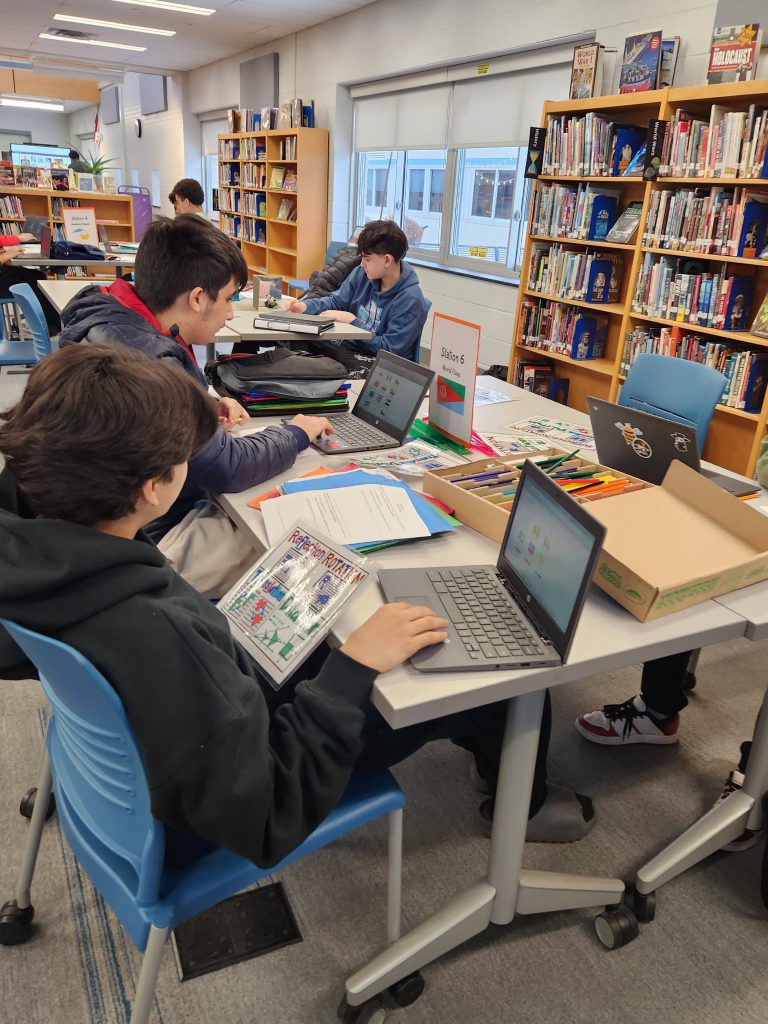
x: 616, y: 308
x: 602, y: 366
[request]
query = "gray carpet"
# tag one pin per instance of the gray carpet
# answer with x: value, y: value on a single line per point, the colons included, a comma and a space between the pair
x: 703, y: 959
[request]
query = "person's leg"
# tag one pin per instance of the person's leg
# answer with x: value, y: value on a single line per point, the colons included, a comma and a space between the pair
x: 652, y: 716
x: 24, y: 275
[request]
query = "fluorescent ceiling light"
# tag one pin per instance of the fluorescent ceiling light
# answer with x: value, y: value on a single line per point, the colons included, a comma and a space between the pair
x: 165, y: 5
x: 113, y: 24
x: 91, y: 42
x: 32, y: 104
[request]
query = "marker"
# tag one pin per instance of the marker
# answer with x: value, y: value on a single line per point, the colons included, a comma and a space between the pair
x: 478, y: 476
x: 561, y: 460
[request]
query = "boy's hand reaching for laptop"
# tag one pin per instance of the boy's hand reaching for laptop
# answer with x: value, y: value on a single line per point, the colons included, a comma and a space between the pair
x: 25, y: 236
x: 313, y: 426
x: 393, y: 634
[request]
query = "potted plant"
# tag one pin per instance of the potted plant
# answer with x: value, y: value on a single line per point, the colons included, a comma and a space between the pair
x: 96, y: 165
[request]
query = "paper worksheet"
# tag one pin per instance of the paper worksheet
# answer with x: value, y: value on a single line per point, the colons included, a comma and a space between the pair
x: 515, y: 444
x: 350, y: 515
x: 560, y: 431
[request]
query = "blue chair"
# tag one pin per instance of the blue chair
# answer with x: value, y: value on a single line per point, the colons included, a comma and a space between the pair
x: 676, y: 389
x: 330, y: 252
x: 103, y: 803
x: 26, y: 353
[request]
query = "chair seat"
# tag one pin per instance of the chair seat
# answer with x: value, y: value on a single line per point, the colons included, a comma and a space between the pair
x: 17, y: 353
x: 298, y: 285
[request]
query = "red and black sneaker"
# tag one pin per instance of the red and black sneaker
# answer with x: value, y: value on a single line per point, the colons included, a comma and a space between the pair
x: 631, y: 722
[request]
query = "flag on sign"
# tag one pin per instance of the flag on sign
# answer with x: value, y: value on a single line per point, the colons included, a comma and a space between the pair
x: 451, y: 395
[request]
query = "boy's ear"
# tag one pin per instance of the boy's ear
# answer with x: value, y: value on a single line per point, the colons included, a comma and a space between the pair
x: 148, y: 495
x: 195, y: 299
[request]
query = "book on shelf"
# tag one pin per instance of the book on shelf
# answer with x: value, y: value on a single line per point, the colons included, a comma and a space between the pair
x: 586, y: 71
x: 641, y: 65
x: 602, y: 213
x: 720, y: 220
x: 734, y: 53
x: 537, y: 379
x: 28, y: 177
x: 6, y: 174
x: 760, y: 323
x: 308, y: 115
x: 567, y: 211
x: 289, y: 181
x: 552, y: 326
x: 627, y: 139
x: 268, y: 118
x: 277, y: 177
x: 589, y: 144
x: 297, y: 108
x: 687, y: 291
x: 284, y: 117
x: 85, y: 182
x: 598, y: 281
x: 287, y: 209
x: 524, y: 363
x: 60, y: 179
x: 588, y: 337
x: 616, y: 263
x: 754, y: 224
x: 627, y: 223
x: 637, y: 163
x: 669, y: 50
x: 43, y: 175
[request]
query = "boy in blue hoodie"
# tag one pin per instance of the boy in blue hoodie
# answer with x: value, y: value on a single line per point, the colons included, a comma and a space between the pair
x: 382, y: 295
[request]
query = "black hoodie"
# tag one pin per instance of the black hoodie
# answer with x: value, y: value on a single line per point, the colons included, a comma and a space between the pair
x: 219, y: 762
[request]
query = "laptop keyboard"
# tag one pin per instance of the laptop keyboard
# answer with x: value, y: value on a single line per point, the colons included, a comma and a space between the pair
x: 486, y: 620
x: 354, y: 431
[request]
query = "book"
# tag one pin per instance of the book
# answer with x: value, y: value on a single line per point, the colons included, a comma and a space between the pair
x: 109, y: 183
x: 733, y: 53
x: 757, y: 378
x: 308, y: 115
x: 654, y: 149
x: 641, y: 66
x: 586, y: 71
x: 28, y: 177
x: 626, y: 225
x: 277, y: 177
x: 616, y: 262
x: 84, y: 182
x: 669, y: 50
x: 537, y: 379
x: 287, y: 209
x: 6, y: 173
x: 760, y: 323
x: 289, y: 181
x: 284, y: 117
x: 296, y: 113
x: 585, y: 343
x: 627, y: 140
x: 598, y: 282
x: 602, y: 216
x: 753, y: 229
x: 738, y: 298
x: 43, y: 175
x: 637, y: 163
x: 284, y: 606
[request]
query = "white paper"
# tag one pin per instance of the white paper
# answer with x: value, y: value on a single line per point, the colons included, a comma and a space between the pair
x: 564, y: 433
x: 412, y: 459
x: 485, y: 396
x: 350, y: 515
x: 515, y: 444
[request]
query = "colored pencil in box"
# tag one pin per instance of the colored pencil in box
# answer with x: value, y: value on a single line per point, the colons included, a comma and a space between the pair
x: 561, y: 460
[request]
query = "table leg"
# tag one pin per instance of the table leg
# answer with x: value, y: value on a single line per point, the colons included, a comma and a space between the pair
x: 507, y: 888
x: 720, y: 825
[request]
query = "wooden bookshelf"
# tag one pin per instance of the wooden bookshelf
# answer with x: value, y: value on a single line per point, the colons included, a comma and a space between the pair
x: 734, y: 436
x: 290, y: 248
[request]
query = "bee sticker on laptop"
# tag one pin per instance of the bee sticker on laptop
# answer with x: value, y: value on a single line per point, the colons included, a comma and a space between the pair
x: 682, y: 443
x: 634, y: 438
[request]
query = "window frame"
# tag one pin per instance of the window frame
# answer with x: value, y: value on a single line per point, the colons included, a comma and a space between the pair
x: 442, y: 258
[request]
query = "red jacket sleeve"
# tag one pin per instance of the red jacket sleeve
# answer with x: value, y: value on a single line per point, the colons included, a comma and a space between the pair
x: 6, y: 240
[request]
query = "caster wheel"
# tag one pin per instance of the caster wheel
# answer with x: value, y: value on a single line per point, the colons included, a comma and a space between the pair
x: 27, y: 805
x: 407, y: 990
x: 15, y: 923
x: 370, y: 1012
x: 615, y: 928
x: 689, y: 683
x: 644, y: 905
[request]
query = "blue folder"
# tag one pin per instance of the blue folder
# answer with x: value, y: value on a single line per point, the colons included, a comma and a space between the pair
x: 429, y: 515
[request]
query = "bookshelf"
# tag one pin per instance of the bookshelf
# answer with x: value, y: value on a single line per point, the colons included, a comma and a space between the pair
x: 114, y: 211
x: 279, y: 230
x: 735, y: 435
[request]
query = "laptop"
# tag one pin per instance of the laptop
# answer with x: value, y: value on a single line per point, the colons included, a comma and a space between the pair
x: 46, y: 238
x: 104, y: 239
x: 643, y: 445
x: 385, y: 408
x: 301, y: 323
x: 522, y: 612
x: 33, y: 225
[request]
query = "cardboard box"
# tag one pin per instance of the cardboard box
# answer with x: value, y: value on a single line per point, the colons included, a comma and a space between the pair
x: 679, y: 544
x: 472, y: 506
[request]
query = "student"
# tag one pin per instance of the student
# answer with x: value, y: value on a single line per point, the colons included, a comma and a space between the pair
x: 187, y: 196
x: 653, y: 716
x: 185, y: 276
x: 24, y: 275
x: 75, y: 162
x: 227, y: 757
x: 382, y: 295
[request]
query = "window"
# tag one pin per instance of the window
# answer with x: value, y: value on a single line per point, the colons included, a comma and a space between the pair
x: 480, y: 194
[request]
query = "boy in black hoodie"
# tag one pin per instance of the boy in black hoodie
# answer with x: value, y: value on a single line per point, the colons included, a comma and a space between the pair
x: 226, y: 757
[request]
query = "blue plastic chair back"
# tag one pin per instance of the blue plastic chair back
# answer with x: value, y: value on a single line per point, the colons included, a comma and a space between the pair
x: 29, y: 304
x: 103, y: 803
x: 676, y: 389
x: 333, y: 248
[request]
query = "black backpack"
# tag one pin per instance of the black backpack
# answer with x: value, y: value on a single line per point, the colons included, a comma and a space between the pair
x: 279, y: 373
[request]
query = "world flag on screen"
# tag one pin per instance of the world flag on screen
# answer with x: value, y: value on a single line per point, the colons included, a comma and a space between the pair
x: 451, y: 395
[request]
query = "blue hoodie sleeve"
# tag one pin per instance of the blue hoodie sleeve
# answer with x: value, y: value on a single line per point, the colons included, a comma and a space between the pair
x: 229, y: 463
x: 400, y: 328
x: 341, y: 298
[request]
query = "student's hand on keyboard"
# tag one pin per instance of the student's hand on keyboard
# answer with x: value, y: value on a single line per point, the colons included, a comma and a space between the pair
x: 313, y: 426
x: 25, y: 236
x: 6, y: 255
x: 394, y: 634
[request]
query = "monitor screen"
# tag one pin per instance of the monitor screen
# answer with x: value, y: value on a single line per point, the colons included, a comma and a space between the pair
x: 28, y: 154
x: 391, y: 394
x: 549, y: 550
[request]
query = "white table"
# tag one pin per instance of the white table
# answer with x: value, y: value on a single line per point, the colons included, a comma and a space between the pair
x: 607, y: 637
x: 30, y: 258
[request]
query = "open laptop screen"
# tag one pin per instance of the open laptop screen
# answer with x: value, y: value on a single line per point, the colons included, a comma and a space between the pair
x: 549, y: 554
x: 392, y: 394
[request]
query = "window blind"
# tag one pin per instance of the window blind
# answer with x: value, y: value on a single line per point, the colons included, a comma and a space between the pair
x: 403, y: 120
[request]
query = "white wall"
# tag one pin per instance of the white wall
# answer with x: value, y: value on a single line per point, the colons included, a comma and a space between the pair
x: 44, y: 126
x: 395, y: 36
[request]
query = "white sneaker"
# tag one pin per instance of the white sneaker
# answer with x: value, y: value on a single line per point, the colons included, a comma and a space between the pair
x: 630, y: 722
x: 748, y: 838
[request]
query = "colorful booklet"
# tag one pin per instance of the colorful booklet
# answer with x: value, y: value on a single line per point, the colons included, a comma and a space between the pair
x: 733, y: 53
x: 641, y: 66
x: 282, y: 608
x: 586, y: 71
x: 626, y: 225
